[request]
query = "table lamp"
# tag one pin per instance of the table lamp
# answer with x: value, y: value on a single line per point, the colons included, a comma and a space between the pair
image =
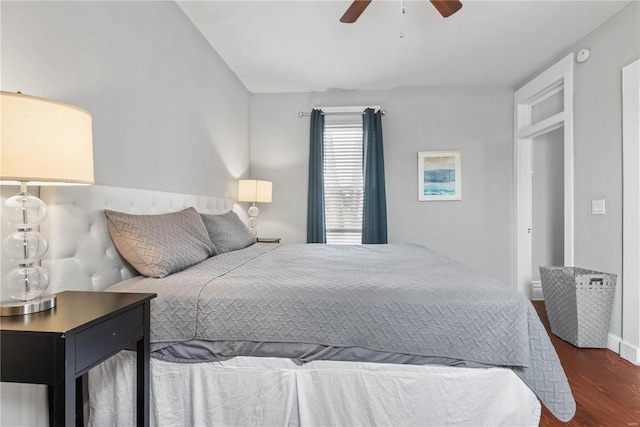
x: 251, y: 190
x: 42, y: 142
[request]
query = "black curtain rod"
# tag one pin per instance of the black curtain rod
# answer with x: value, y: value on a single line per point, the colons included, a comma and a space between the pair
x: 336, y: 113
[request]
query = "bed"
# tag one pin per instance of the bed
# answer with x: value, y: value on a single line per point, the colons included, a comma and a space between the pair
x: 274, y: 334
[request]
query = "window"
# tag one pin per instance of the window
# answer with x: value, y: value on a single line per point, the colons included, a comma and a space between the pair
x: 343, y: 178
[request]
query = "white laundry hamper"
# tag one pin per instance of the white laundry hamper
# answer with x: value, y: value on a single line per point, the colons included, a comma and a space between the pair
x: 578, y: 303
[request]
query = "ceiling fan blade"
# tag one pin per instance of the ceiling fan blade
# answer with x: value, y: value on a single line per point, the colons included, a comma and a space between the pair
x: 447, y: 7
x: 354, y: 11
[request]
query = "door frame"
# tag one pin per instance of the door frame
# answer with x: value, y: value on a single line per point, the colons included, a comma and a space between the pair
x: 554, y: 80
x: 630, y: 345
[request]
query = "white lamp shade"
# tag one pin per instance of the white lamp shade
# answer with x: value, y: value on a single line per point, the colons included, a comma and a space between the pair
x: 44, y: 142
x: 251, y: 190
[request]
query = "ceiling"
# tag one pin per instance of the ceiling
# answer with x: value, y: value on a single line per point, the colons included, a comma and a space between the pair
x: 300, y: 46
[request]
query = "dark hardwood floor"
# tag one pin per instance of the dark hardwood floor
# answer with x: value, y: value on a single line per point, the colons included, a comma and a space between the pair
x: 605, y: 386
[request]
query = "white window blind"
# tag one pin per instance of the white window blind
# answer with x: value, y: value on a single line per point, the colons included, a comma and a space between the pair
x: 343, y: 179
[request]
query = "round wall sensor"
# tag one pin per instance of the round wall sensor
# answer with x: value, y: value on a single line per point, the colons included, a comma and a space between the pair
x: 583, y: 55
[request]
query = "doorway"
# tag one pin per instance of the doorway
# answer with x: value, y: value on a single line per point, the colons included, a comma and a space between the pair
x: 542, y: 106
x: 547, y: 236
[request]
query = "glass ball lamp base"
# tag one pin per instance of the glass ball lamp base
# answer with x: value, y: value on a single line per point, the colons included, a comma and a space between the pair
x: 253, y: 219
x: 25, y: 284
x: 20, y: 308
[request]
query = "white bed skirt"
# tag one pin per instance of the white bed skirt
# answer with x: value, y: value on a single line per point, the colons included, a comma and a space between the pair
x: 250, y: 391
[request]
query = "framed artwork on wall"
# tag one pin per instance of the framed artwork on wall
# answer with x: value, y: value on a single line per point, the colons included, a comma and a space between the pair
x: 439, y: 175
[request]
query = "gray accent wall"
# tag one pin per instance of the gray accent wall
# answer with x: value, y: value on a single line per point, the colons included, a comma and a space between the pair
x: 478, y: 121
x: 168, y: 114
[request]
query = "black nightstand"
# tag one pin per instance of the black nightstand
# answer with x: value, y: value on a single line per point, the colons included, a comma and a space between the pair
x: 56, y: 347
x: 269, y: 239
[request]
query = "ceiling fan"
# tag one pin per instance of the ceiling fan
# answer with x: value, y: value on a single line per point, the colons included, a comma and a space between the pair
x: 445, y: 7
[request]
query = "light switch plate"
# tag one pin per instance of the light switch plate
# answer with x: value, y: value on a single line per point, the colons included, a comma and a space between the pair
x: 597, y: 207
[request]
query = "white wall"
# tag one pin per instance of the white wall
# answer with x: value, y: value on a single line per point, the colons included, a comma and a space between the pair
x: 168, y: 114
x: 598, y: 144
x: 476, y: 230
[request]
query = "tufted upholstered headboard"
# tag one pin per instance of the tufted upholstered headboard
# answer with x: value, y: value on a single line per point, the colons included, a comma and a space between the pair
x: 81, y: 255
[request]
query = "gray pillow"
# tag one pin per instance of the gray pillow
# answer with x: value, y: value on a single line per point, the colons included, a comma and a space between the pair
x: 158, y: 245
x: 228, y: 232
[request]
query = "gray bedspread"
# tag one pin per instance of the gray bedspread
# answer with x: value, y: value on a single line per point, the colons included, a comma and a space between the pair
x: 396, y: 298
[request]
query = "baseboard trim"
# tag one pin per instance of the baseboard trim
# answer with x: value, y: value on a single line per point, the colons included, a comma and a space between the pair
x: 536, y: 291
x: 630, y: 352
x: 613, y: 343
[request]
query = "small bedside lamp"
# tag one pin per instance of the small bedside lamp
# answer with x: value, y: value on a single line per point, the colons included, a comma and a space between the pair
x: 42, y: 142
x: 251, y: 190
